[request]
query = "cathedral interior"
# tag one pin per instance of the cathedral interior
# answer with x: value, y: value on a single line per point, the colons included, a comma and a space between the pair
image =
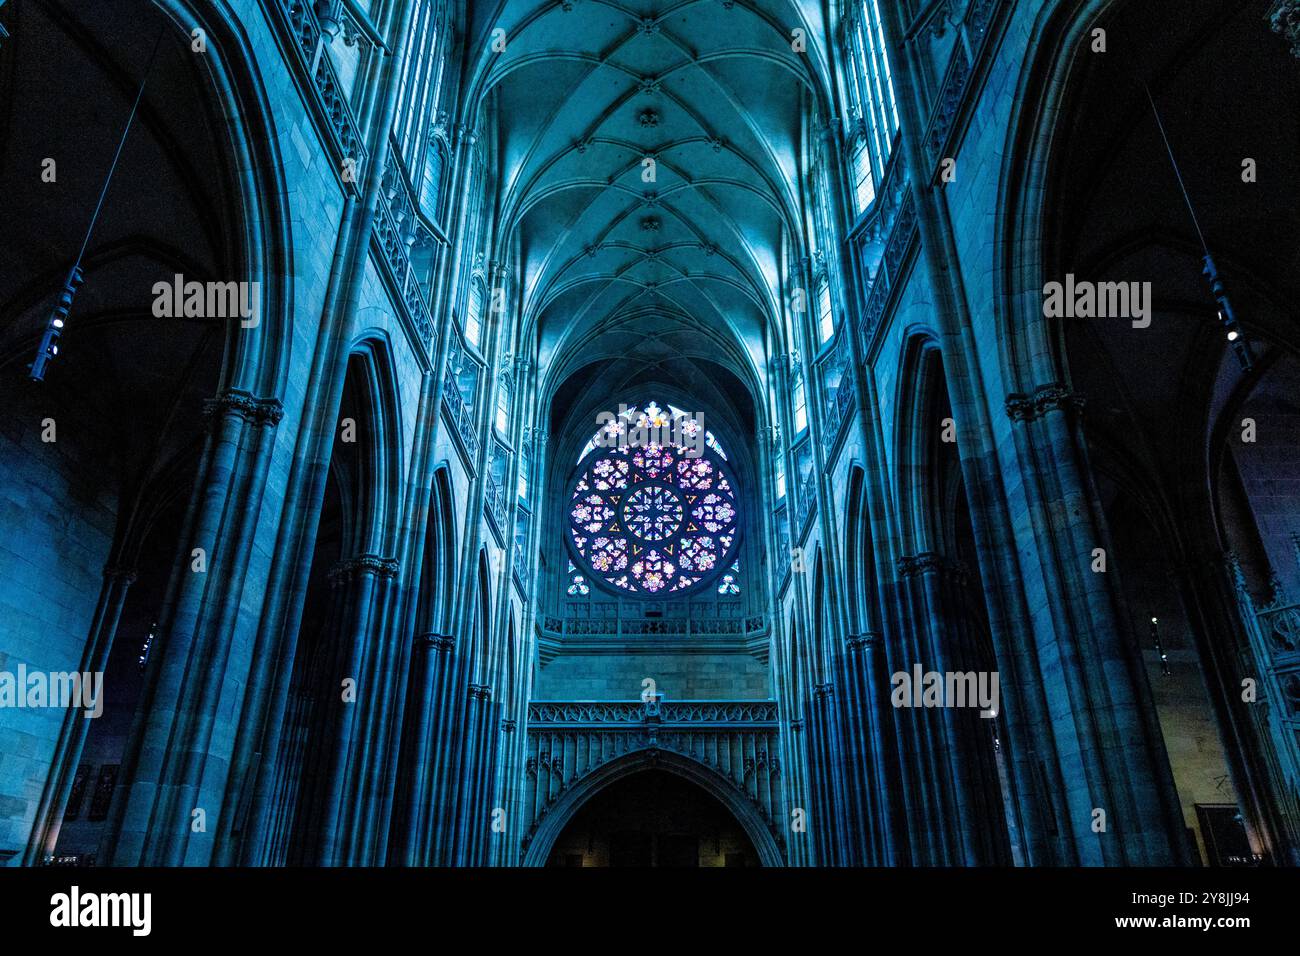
x: 673, y: 433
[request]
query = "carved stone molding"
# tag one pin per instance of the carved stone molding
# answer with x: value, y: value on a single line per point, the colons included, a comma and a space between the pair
x: 245, y: 405
x: 862, y: 642
x: 466, y: 135
x: 929, y: 562
x: 437, y: 643
x: 1046, y: 398
x: 345, y: 571
x: 628, y: 713
x: 480, y: 692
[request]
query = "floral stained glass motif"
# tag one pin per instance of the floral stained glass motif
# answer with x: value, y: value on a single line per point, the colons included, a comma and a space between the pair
x: 728, y: 583
x: 578, y: 586
x: 651, y: 416
x: 650, y: 520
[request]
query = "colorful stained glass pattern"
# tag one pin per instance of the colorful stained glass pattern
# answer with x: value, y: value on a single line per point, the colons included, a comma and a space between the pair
x: 652, y: 416
x: 728, y: 583
x: 651, y: 520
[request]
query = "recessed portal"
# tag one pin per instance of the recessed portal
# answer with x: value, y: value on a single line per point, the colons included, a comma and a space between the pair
x: 653, y: 818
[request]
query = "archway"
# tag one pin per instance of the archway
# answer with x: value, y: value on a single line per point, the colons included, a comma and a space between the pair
x: 136, y: 393
x: 547, y: 833
x: 1176, y: 486
x: 652, y: 818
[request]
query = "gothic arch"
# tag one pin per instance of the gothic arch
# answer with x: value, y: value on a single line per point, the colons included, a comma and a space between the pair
x: 549, y: 828
x: 481, y: 619
x: 1029, y: 347
x: 922, y: 391
x: 372, y: 371
x: 822, y: 624
x: 864, y: 613
x: 1157, y: 451
x: 439, y: 566
x: 257, y: 359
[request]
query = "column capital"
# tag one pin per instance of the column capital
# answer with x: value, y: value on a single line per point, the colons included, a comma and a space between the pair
x: 252, y: 409
x: 351, y: 568
x: 1045, y: 398
x: 862, y: 642
x: 931, y: 562
x: 433, y: 641
x: 466, y: 135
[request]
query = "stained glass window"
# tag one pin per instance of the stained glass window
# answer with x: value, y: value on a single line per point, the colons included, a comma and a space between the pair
x: 577, y: 583
x: 826, y: 318
x: 864, y: 185
x: 474, y: 316
x: 871, y: 93
x: 653, y: 519
x: 652, y: 415
x: 503, y: 408
x: 728, y: 583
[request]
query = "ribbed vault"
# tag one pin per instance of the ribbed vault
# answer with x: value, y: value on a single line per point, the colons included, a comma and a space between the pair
x: 650, y: 155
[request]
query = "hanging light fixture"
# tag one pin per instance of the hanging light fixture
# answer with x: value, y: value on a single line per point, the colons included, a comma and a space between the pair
x: 48, y: 350
x: 1227, y: 317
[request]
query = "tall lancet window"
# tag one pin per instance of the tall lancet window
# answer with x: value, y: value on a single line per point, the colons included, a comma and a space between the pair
x: 653, y: 508
x: 503, y: 409
x: 825, y: 314
x: 800, y: 404
x: 474, y: 315
x: 525, y: 463
x: 873, y: 111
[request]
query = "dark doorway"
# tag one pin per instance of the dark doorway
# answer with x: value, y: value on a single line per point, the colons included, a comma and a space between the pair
x: 653, y: 818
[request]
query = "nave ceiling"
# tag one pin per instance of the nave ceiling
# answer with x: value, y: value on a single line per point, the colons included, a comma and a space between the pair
x: 617, y: 267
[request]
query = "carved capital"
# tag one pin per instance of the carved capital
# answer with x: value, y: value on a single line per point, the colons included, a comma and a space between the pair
x: 929, y: 562
x: 245, y: 405
x: 352, y: 568
x: 862, y: 642
x: 1046, y: 398
x: 466, y: 135
x: 436, y: 643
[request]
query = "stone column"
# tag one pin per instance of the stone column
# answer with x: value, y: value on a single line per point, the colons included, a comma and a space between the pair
x: 1108, y: 740
x: 452, y: 697
x: 429, y: 671
x: 363, y: 577
x: 165, y: 761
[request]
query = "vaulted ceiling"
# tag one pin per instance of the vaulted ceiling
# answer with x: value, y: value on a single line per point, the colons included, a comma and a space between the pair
x: 1156, y: 395
x: 626, y: 258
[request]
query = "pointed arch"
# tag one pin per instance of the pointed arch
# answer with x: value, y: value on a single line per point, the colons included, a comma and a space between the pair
x: 573, y: 799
